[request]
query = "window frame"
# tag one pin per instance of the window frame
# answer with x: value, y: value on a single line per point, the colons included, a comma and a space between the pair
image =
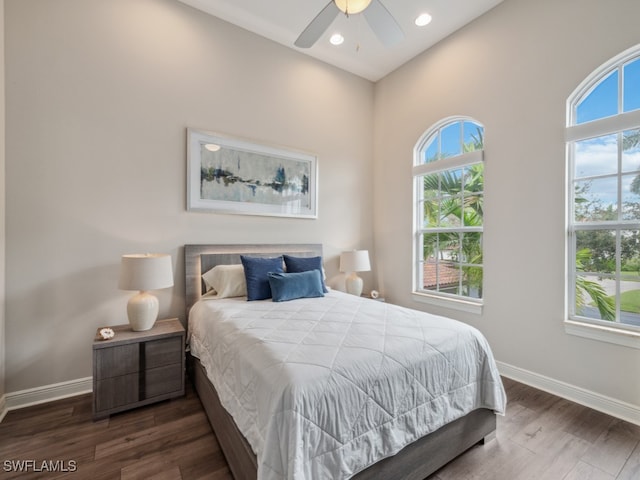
x: 602, y: 330
x: 420, y: 169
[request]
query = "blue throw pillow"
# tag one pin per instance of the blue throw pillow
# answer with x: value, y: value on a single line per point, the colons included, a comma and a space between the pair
x: 304, y: 264
x: 256, y: 270
x: 289, y: 286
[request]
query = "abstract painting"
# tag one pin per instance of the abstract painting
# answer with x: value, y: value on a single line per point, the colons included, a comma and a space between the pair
x: 232, y: 175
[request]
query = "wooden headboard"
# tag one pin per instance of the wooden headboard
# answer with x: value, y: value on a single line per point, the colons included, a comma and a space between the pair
x: 200, y: 258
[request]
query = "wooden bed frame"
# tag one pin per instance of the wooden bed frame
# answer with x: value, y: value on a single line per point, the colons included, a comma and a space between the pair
x: 415, y: 462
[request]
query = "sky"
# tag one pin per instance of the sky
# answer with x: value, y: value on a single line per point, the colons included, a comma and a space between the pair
x: 602, y: 101
x: 451, y: 138
x: 596, y: 159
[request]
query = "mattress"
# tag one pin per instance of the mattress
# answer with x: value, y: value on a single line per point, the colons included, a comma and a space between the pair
x: 325, y: 387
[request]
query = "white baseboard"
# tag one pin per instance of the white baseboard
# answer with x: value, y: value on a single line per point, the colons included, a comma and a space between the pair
x: 3, y: 407
x: 602, y: 403
x: 48, y: 393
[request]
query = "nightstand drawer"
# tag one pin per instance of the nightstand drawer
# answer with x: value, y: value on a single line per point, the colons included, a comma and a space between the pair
x: 117, y: 361
x: 163, y: 380
x: 163, y: 352
x: 138, y: 368
x: 116, y: 391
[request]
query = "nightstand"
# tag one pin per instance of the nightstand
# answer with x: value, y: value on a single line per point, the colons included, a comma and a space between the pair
x: 377, y: 299
x: 138, y: 368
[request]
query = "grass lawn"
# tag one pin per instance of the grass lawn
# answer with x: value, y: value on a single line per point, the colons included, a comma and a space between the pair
x: 630, y: 301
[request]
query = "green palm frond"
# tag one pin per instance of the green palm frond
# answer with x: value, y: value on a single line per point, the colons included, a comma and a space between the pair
x: 592, y: 289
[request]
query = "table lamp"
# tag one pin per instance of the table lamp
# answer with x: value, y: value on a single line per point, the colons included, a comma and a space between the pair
x: 352, y: 262
x: 144, y: 272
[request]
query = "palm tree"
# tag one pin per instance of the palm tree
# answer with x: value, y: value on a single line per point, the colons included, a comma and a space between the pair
x: 451, y: 198
x: 586, y: 287
x: 455, y: 198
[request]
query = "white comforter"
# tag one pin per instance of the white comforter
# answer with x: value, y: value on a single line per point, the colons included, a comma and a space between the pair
x: 324, y: 387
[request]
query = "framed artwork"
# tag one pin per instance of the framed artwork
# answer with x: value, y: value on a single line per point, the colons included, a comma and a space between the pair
x: 232, y: 175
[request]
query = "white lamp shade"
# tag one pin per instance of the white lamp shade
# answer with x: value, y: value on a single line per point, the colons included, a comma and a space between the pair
x: 143, y: 272
x: 355, y: 261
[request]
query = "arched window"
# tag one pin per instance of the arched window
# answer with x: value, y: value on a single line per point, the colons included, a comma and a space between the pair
x: 449, y: 197
x: 603, y: 155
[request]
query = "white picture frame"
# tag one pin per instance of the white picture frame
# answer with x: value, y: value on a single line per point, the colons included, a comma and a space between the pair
x: 237, y: 176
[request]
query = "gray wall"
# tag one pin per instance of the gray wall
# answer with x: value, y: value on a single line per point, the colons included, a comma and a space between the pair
x: 513, y: 70
x: 99, y: 96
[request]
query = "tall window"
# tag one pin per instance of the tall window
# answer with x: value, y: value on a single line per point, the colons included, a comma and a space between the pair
x: 603, y: 140
x: 449, y: 197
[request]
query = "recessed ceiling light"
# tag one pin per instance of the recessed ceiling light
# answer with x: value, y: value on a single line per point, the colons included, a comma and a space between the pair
x: 336, y: 39
x: 212, y: 147
x: 423, y: 19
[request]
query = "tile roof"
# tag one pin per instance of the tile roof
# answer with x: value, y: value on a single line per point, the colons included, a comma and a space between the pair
x: 449, y: 275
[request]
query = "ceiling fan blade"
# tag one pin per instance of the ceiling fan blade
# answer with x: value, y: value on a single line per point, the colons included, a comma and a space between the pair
x: 383, y: 24
x: 318, y: 26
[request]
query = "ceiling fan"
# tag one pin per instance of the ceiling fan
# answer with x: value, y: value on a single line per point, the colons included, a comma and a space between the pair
x: 380, y: 20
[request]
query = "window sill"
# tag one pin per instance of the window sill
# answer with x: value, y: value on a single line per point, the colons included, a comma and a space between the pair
x: 603, y: 333
x: 445, y: 302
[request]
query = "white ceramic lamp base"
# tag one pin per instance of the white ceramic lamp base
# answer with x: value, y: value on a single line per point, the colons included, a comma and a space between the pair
x: 353, y: 283
x: 142, y: 310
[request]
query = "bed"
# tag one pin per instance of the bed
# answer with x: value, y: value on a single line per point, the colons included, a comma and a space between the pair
x: 323, y: 426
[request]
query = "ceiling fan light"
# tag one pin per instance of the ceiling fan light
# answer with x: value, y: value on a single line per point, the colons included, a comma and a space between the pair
x: 352, y: 6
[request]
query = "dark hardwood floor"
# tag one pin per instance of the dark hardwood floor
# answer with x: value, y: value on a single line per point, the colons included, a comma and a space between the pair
x: 541, y: 437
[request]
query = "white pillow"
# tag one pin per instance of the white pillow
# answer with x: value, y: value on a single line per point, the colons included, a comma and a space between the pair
x: 226, y: 281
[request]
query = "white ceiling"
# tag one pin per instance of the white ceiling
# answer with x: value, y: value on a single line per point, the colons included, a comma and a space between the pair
x: 361, y: 53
